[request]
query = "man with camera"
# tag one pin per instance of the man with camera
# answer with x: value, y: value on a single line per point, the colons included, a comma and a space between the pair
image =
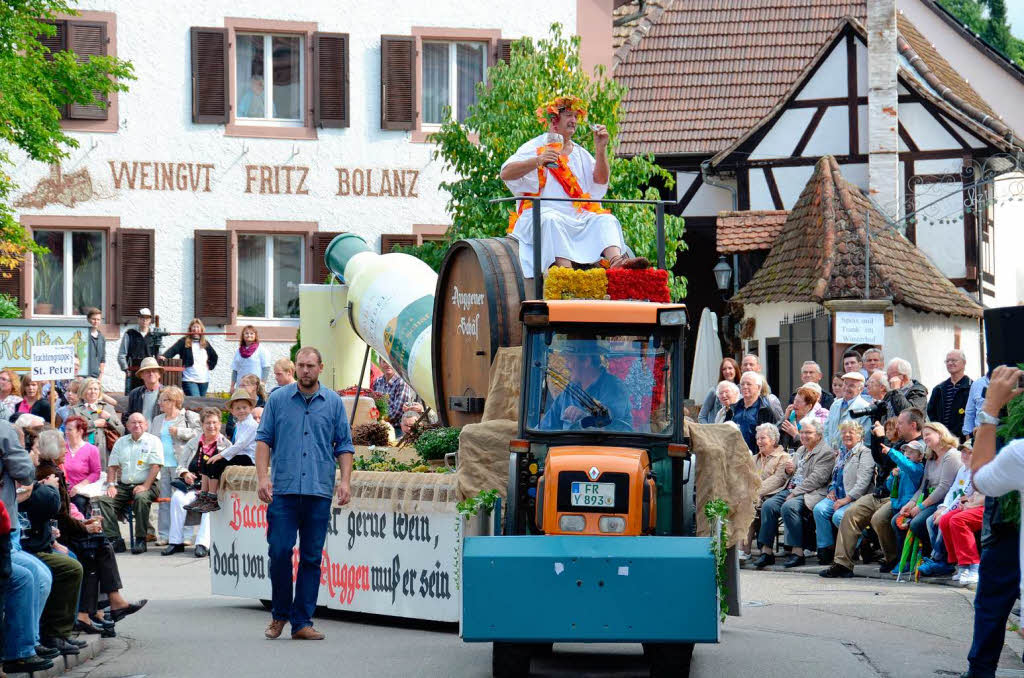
x: 875, y: 509
x: 136, y: 345
x: 888, y: 403
x: 999, y: 476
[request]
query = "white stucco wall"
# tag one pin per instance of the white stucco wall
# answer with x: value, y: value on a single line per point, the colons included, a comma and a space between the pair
x: 1009, y: 240
x: 155, y: 126
x: 766, y: 321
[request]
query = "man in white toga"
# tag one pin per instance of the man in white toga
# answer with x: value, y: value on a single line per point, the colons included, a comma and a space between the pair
x: 570, y: 232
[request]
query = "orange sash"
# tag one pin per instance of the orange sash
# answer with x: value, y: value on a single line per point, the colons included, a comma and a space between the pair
x: 570, y: 184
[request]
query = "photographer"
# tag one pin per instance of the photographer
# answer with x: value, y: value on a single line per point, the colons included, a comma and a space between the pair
x: 1000, y: 561
x: 137, y: 344
x: 888, y: 403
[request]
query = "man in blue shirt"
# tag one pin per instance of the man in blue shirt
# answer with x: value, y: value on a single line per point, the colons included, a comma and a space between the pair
x: 975, y: 399
x: 588, y: 381
x: 305, y: 428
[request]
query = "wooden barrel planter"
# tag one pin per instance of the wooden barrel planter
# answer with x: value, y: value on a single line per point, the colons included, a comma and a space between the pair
x: 476, y: 311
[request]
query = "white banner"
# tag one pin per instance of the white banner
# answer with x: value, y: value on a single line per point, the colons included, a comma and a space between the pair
x: 374, y: 560
x: 860, y: 328
x: 54, y: 361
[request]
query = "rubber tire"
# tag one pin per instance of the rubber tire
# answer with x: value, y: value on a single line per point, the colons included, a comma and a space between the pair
x: 510, y: 660
x: 669, y: 660
x: 267, y: 605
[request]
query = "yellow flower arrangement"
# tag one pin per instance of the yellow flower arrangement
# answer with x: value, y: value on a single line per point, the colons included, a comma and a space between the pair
x: 557, y: 105
x: 565, y: 283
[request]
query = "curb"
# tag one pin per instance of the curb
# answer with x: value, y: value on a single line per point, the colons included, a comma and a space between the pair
x: 63, y: 664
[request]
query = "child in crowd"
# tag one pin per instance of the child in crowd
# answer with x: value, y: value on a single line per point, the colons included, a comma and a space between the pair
x: 241, y: 453
x: 904, y: 481
x: 71, y: 398
x: 251, y: 384
x: 250, y: 358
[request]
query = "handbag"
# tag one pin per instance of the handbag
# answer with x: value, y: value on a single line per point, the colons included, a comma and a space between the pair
x: 111, y: 437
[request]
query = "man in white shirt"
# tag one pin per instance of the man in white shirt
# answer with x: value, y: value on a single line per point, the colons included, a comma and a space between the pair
x: 996, y: 475
x: 137, y: 458
x: 570, y: 232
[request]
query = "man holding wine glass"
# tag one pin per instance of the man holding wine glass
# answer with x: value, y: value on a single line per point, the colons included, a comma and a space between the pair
x: 552, y: 166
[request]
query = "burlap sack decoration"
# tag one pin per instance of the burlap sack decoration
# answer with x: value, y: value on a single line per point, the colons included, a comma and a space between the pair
x: 483, y: 457
x: 725, y: 470
x: 503, y: 385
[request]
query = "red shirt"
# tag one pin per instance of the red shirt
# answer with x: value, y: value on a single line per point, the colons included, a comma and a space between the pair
x: 5, y: 520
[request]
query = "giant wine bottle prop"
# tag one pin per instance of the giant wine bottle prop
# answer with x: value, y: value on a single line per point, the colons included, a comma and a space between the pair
x: 392, y: 297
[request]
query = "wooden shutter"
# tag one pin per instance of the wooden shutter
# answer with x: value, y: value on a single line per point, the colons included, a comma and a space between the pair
x: 213, y: 288
x: 503, y: 51
x: 397, y: 82
x: 13, y: 286
x: 389, y: 241
x: 210, y: 75
x: 330, y: 80
x: 134, y: 261
x: 87, y: 39
x: 317, y: 266
x: 56, y: 43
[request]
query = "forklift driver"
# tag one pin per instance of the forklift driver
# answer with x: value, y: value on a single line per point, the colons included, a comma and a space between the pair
x: 591, y: 397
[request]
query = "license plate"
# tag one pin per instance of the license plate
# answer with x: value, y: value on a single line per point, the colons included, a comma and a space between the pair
x: 593, y: 494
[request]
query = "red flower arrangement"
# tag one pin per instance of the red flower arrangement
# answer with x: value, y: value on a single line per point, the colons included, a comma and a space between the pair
x: 650, y: 284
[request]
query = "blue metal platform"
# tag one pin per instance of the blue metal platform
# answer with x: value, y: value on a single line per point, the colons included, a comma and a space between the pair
x: 589, y: 589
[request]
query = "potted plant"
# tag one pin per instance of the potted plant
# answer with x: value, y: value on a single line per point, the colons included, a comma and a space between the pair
x: 433, y: 444
x: 46, y: 280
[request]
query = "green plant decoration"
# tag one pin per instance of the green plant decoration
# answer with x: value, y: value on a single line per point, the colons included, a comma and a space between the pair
x: 717, y: 512
x: 434, y: 443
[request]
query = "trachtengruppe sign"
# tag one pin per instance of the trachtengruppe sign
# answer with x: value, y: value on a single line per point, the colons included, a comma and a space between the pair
x: 53, y: 361
x: 375, y: 559
x: 860, y: 328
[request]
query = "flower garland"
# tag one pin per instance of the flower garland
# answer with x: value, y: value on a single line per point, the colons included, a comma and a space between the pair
x: 549, y: 110
x: 566, y: 283
x: 650, y: 284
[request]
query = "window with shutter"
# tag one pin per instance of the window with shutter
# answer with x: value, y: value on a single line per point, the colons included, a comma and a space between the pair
x: 398, y: 82
x: 317, y: 249
x: 213, y: 278
x: 86, y: 39
x: 134, y: 250
x: 389, y: 241
x: 209, y: 75
x: 12, y: 286
x: 330, y: 80
x: 504, y: 51
x: 55, y: 43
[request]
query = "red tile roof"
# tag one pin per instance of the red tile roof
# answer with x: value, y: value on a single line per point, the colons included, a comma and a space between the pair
x: 748, y: 231
x: 819, y: 256
x: 706, y: 72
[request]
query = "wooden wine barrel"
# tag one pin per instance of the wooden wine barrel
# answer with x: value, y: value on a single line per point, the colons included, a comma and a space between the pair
x: 476, y: 311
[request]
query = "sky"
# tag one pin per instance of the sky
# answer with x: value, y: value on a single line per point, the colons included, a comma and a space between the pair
x: 1015, y: 15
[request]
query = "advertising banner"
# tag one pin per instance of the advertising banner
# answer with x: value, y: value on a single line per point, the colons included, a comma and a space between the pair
x: 18, y: 337
x: 375, y: 559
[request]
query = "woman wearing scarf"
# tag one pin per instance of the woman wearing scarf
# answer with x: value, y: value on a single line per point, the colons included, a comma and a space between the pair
x: 251, y: 358
x: 99, y: 416
x: 197, y: 357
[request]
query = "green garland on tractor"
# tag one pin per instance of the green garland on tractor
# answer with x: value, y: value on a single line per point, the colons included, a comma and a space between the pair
x: 717, y: 510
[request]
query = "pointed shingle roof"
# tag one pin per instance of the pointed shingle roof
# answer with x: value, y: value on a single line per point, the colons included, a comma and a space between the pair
x: 819, y: 256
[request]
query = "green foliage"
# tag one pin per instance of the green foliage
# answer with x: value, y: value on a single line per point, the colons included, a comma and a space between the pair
x: 32, y: 88
x: 434, y: 443
x: 1012, y: 428
x: 293, y: 352
x: 987, y: 18
x: 717, y: 510
x: 504, y: 119
x: 485, y: 501
x: 9, y: 307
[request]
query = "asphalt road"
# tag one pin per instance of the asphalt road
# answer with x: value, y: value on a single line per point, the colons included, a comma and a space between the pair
x: 793, y: 626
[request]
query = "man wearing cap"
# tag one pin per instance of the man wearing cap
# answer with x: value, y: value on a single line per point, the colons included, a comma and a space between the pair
x: 580, y: 232
x: 853, y: 385
x: 137, y: 458
x: 136, y: 345
x: 589, y: 387
x: 305, y: 429
x: 146, y: 397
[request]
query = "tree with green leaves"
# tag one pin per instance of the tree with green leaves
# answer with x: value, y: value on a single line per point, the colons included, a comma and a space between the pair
x: 987, y: 19
x: 504, y: 118
x: 34, y: 85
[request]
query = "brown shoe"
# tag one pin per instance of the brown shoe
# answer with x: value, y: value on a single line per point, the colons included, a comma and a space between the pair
x: 274, y: 629
x: 307, y: 633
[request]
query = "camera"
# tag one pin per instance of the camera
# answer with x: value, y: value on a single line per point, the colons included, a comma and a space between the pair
x: 876, y: 412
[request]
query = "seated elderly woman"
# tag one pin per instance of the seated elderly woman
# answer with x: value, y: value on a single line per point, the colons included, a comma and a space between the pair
x: 728, y: 393
x: 851, y: 478
x: 729, y: 371
x: 806, y: 402
x: 770, y: 462
x: 811, y: 474
x: 84, y: 541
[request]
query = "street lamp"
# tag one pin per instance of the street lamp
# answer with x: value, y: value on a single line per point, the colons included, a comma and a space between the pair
x: 723, y: 272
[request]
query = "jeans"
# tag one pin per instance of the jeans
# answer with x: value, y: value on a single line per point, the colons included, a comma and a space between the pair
x: 308, y: 515
x: 825, y: 516
x: 793, y: 520
x: 163, y: 510
x: 939, y: 554
x: 26, y: 638
x: 195, y: 388
x: 999, y: 577
x: 770, y: 512
x: 919, y: 526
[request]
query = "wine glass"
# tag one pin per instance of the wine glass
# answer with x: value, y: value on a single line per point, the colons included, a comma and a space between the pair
x: 553, y: 140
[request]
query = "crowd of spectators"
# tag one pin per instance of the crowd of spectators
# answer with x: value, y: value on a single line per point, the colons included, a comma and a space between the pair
x: 876, y: 472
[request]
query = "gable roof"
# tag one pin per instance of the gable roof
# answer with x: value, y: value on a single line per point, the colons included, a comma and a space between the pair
x: 819, y: 256
x: 707, y: 73
x: 748, y: 230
